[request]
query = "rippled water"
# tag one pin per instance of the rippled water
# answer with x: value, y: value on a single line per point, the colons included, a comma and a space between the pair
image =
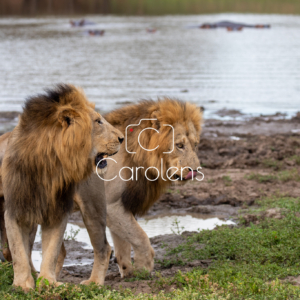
x: 257, y: 71
x: 153, y: 227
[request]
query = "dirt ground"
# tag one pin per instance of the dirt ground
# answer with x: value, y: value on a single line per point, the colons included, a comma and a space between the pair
x: 241, y: 161
x: 76, y: 274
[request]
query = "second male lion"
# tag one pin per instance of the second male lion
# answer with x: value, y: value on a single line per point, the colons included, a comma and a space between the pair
x: 165, y: 139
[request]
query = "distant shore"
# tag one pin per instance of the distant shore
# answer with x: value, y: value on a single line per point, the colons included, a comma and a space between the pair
x: 136, y: 7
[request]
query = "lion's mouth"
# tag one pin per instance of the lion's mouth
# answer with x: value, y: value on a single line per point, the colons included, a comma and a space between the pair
x: 190, y: 175
x: 100, y: 160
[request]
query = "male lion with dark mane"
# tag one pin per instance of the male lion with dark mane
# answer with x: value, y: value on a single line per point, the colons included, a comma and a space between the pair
x: 165, y: 140
x: 59, y: 140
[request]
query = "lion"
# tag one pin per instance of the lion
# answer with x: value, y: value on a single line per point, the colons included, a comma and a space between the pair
x: 165, y: 140
x: 58, y: 143
x: 173, y: 125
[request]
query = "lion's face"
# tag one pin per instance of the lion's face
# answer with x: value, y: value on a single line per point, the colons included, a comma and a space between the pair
x: 106, y: 141
x: 184, y: 156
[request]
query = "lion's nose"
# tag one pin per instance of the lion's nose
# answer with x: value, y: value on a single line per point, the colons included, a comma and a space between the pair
x: 121, y: 140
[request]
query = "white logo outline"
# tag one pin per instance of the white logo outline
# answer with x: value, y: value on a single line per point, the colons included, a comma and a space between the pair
x: 131, y: 125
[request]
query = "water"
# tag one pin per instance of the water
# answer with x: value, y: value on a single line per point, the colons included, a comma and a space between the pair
x: 256, y: 71
x: 153, y: 227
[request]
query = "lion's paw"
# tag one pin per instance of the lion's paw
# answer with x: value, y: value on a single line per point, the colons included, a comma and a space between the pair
x: 144, y: 260
x: 126, y: 271
x: 58, y: 283
x: 24, y: 288
x: 27, y: 285
x: 89, y: 281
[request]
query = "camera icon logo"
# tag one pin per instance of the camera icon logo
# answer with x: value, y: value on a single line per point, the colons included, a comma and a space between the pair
x: 130, y: 129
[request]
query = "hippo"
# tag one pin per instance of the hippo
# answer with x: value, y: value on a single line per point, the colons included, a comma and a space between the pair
x: 95, y: 32
x: 231, y: 26
x: 81, y: 23
x: 151, y: 30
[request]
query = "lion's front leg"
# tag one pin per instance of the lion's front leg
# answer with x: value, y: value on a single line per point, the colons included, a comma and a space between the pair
x: 52, y: 238
x: 123, y: 225
x: 18, y: 238
x: 60, y: 261
x: 122, y: 255
x: 92, y: 204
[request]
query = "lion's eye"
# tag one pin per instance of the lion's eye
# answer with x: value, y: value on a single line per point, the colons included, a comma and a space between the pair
x: 180, y: 146
x: 99, y: 121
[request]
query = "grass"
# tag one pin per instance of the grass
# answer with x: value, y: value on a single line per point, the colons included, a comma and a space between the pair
x: 72, y: 235
x: 139, y: 275
x: 277, y: 165
x: 176, y: 228
x: 272, y: 163
x: 282, y: 176
x: 249, y: 262
x: 296, y: 159
x: 286, y: 203
x: 173, y: 191
x: 227, y: 180
x: 261, y: 178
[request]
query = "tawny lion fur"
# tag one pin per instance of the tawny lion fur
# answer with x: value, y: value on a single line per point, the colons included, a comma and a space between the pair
x: 47, y: 156
x: 140, y: 195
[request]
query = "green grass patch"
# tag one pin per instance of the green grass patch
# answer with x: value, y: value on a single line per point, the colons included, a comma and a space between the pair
x: 295, y: 158
x: 172, y: 191
x: 262, y: 178
x: 272, y: 163
x: 282, y: 176
x: 248, y: 261
x: 139, y: 275
x: 227, y: 180
x: 286, y: 203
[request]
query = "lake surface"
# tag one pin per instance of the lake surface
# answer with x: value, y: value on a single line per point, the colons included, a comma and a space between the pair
x: 255, y: 70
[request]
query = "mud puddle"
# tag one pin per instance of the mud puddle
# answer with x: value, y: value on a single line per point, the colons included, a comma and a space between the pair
x: 153, y: 226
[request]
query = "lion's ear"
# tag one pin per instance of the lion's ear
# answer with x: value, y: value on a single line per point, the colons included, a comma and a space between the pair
x: 67, y: 117
x: 155, y: 123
